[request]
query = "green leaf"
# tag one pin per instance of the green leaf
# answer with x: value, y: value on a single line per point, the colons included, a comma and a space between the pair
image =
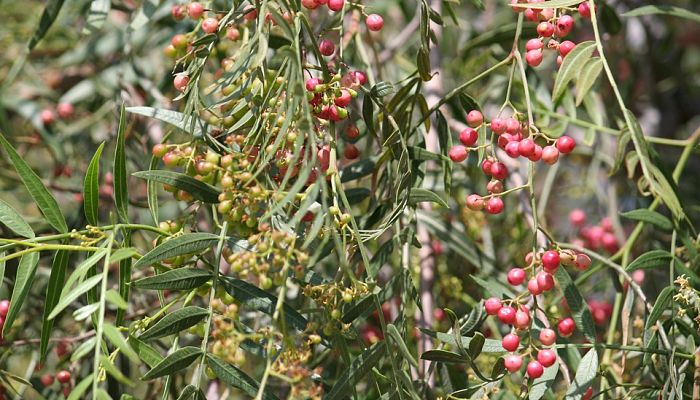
x: 174, y: 118
x: 587, y: 370
x: 152, y: 192
x: 187, y: 392
x: 357, y: 170
x: 77, y: 392
x: 547, y: 4
x: 663, y: 10
x: 97, y: 15
x: 235, y: 377
x: 178, y: 360
x: 114, y: 298
x: 490, y: 345
x: 476, y: 344
x: 493, y: 288
x: 610, y: 20
x: 585, y: 80
x: 176, y: 279
x: 146, y: 353
x: 47, y: 19
x: 53, y: 295
x: 421, y: 154
x: 444, y: 356
x: 198, y: 189
x: 649, y: 260
x: 357, y: 195
x: 67, y: 298
x: 115, y: 373
x: 44, y: 200
x: 26, y: 270
x: 91, y: 188
x: 121, y: 189
x: 660, y: 305
x: 420, y: 195
x: 14, y: 221
x: 358, y: 368
x: 116, y: 338
x: 253, y: 297
x: 650, y: 217
x: 572, y: 65
x: 382, y: 89
x: 578, y: 306
x: 188, y: 243
x: 175, y: 322
x: 544, y: 382
x: 395, y: 336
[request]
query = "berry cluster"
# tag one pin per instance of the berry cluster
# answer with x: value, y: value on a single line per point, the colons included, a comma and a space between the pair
x: 594, y: 237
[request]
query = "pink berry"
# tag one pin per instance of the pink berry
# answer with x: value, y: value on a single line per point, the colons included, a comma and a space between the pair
x: 522, y: 319
x: 499, y: 170
x: 475, y: 202
x: 494, y: 205
x: 311, y: 84
x: 565, y: 47
x: 195, y: 10
x: 374, y: 22
x: 548, y: 336
x: 181, y: 81
x: 498, y: 125
x: 566, y: 327
x: 534, y: 369
x: 494, y: 186
x: 546, y: 14
x: 178, y: 12
x: 326, y: 47
x: 533, y: 287
x: 533, y: 58
x: 577, y: 217
x: 564, y: 25
x: 516, y: 276
x: 510, y: 342
x: 526, y: 147
x: 609, y: 242
x: 588, y: 395
x: 513, y: 363
x: 310, y: 4
x: 336, y: 5
x: 550, y: 260
x: 545, y: 281
x: 468, y: 137
x: 545, y: 29
x: 537, y: 154
x: 458, y: 153
x: 4, y: 308
x: 534, y: 44
x: 513, y: 149
x: 63, y: 376
x: 532, y: 15
x: 210, y: 25
x: 582, y: 261
x: 47, y: 116
x: 493, y: 305
x: 506, y: 315
x: 486, y: 167
x: 584, y: 10
x: 565, y: 144
x: 65, y: 110
x: 475, y: 118
x: 550, y: 154
x: 512, y: 126
x: 343, y: 100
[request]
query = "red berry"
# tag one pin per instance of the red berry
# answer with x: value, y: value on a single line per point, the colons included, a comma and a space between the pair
x: 336, y: 5
x: 550, y: 260
x: 584, y: 10
x: 533, y: 287
x: 566, y: 327
x: 609, y: 242
x: 468, y: 137
x: 498, y: 125
x: 565, y: 24
x: 534, y: 44
x: 577, y: 217
x: 582, y: 261
x: 351, y: 152
x: 344, y: 99
x: 545, y: 29
x: 178, y: 12
x: 534, y: 369
x: 548, y: 337
x: 565, y: 144
x: 526, y: 147
x: 512, y: 126
x: 47, y: 379
x: 588, y: 395
x: 4, y: 308
x: 311, y: 84
x: 512, y: 149
x: 545, y: 281
x: 533, y: 58
x: 195, y: 10
x: 250, y: 12
x: 326, y: 47
x: 486, y: 167
x: 494, y: 205
x: 352, y: 133
x: 499, y: 171
x: 506, y: 315
x: 532, y: 14
x: 550, y: 154
x: 565, y: 47
x: 513, y: 363
x: 181, y: 81
x: 310, y: 4
x: 475, y: 118
x: 210, y: 25
x: 458, y: 153
x: 47, y: 116
x: 475, y: 202
x: 510, y: 342
x: 493, y: 306
x: 63, y: 376
x: 159, y: 150
x: 516, y: 276
x: 494, y: 186
x: 65, y: 110
x: 522, y: 319
x: 537, y: 154
x: 374, y: 22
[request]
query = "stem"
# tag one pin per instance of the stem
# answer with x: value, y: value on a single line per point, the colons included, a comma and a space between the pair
x: 99, y: 328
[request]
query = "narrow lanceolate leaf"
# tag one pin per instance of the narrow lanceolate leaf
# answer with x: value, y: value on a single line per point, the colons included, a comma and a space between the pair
x: 176, y: 279
x: 253, y: 297
x: 152, y: 192
x: 26, y: 270
x: 589, y: 74
x: 146, y: 353
x: 663, y: 10
x: 116, y: 338
x: 68, y: 297
x: 578, y: 306
x: 199, y: 190
x: 44, y: 200
x: 420, y: 195
x: 47, y: 18
x: 490, y: 345
x: 77, y: 392
x: 235, y: 377
x: 587, y: 370
x: 356, y: 371
x: 96, y: 16
x: 395, y: 336
x: 444, y: 356
x: 14, y: 221
x: 174, y: 118
x: 112, y: 370
x: 91, y: 188
x: 188, y: 243
x: 649, y: 260
x: 660, y: 306
x: 175, y: 322
x: 53, y: 294
x: 476, y: 344
x: 572, y: 66
x: 121, y: 190
x: 548, y: 4
x: 650, y: 217
x: 544, y: 382
x: 178, y: 360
